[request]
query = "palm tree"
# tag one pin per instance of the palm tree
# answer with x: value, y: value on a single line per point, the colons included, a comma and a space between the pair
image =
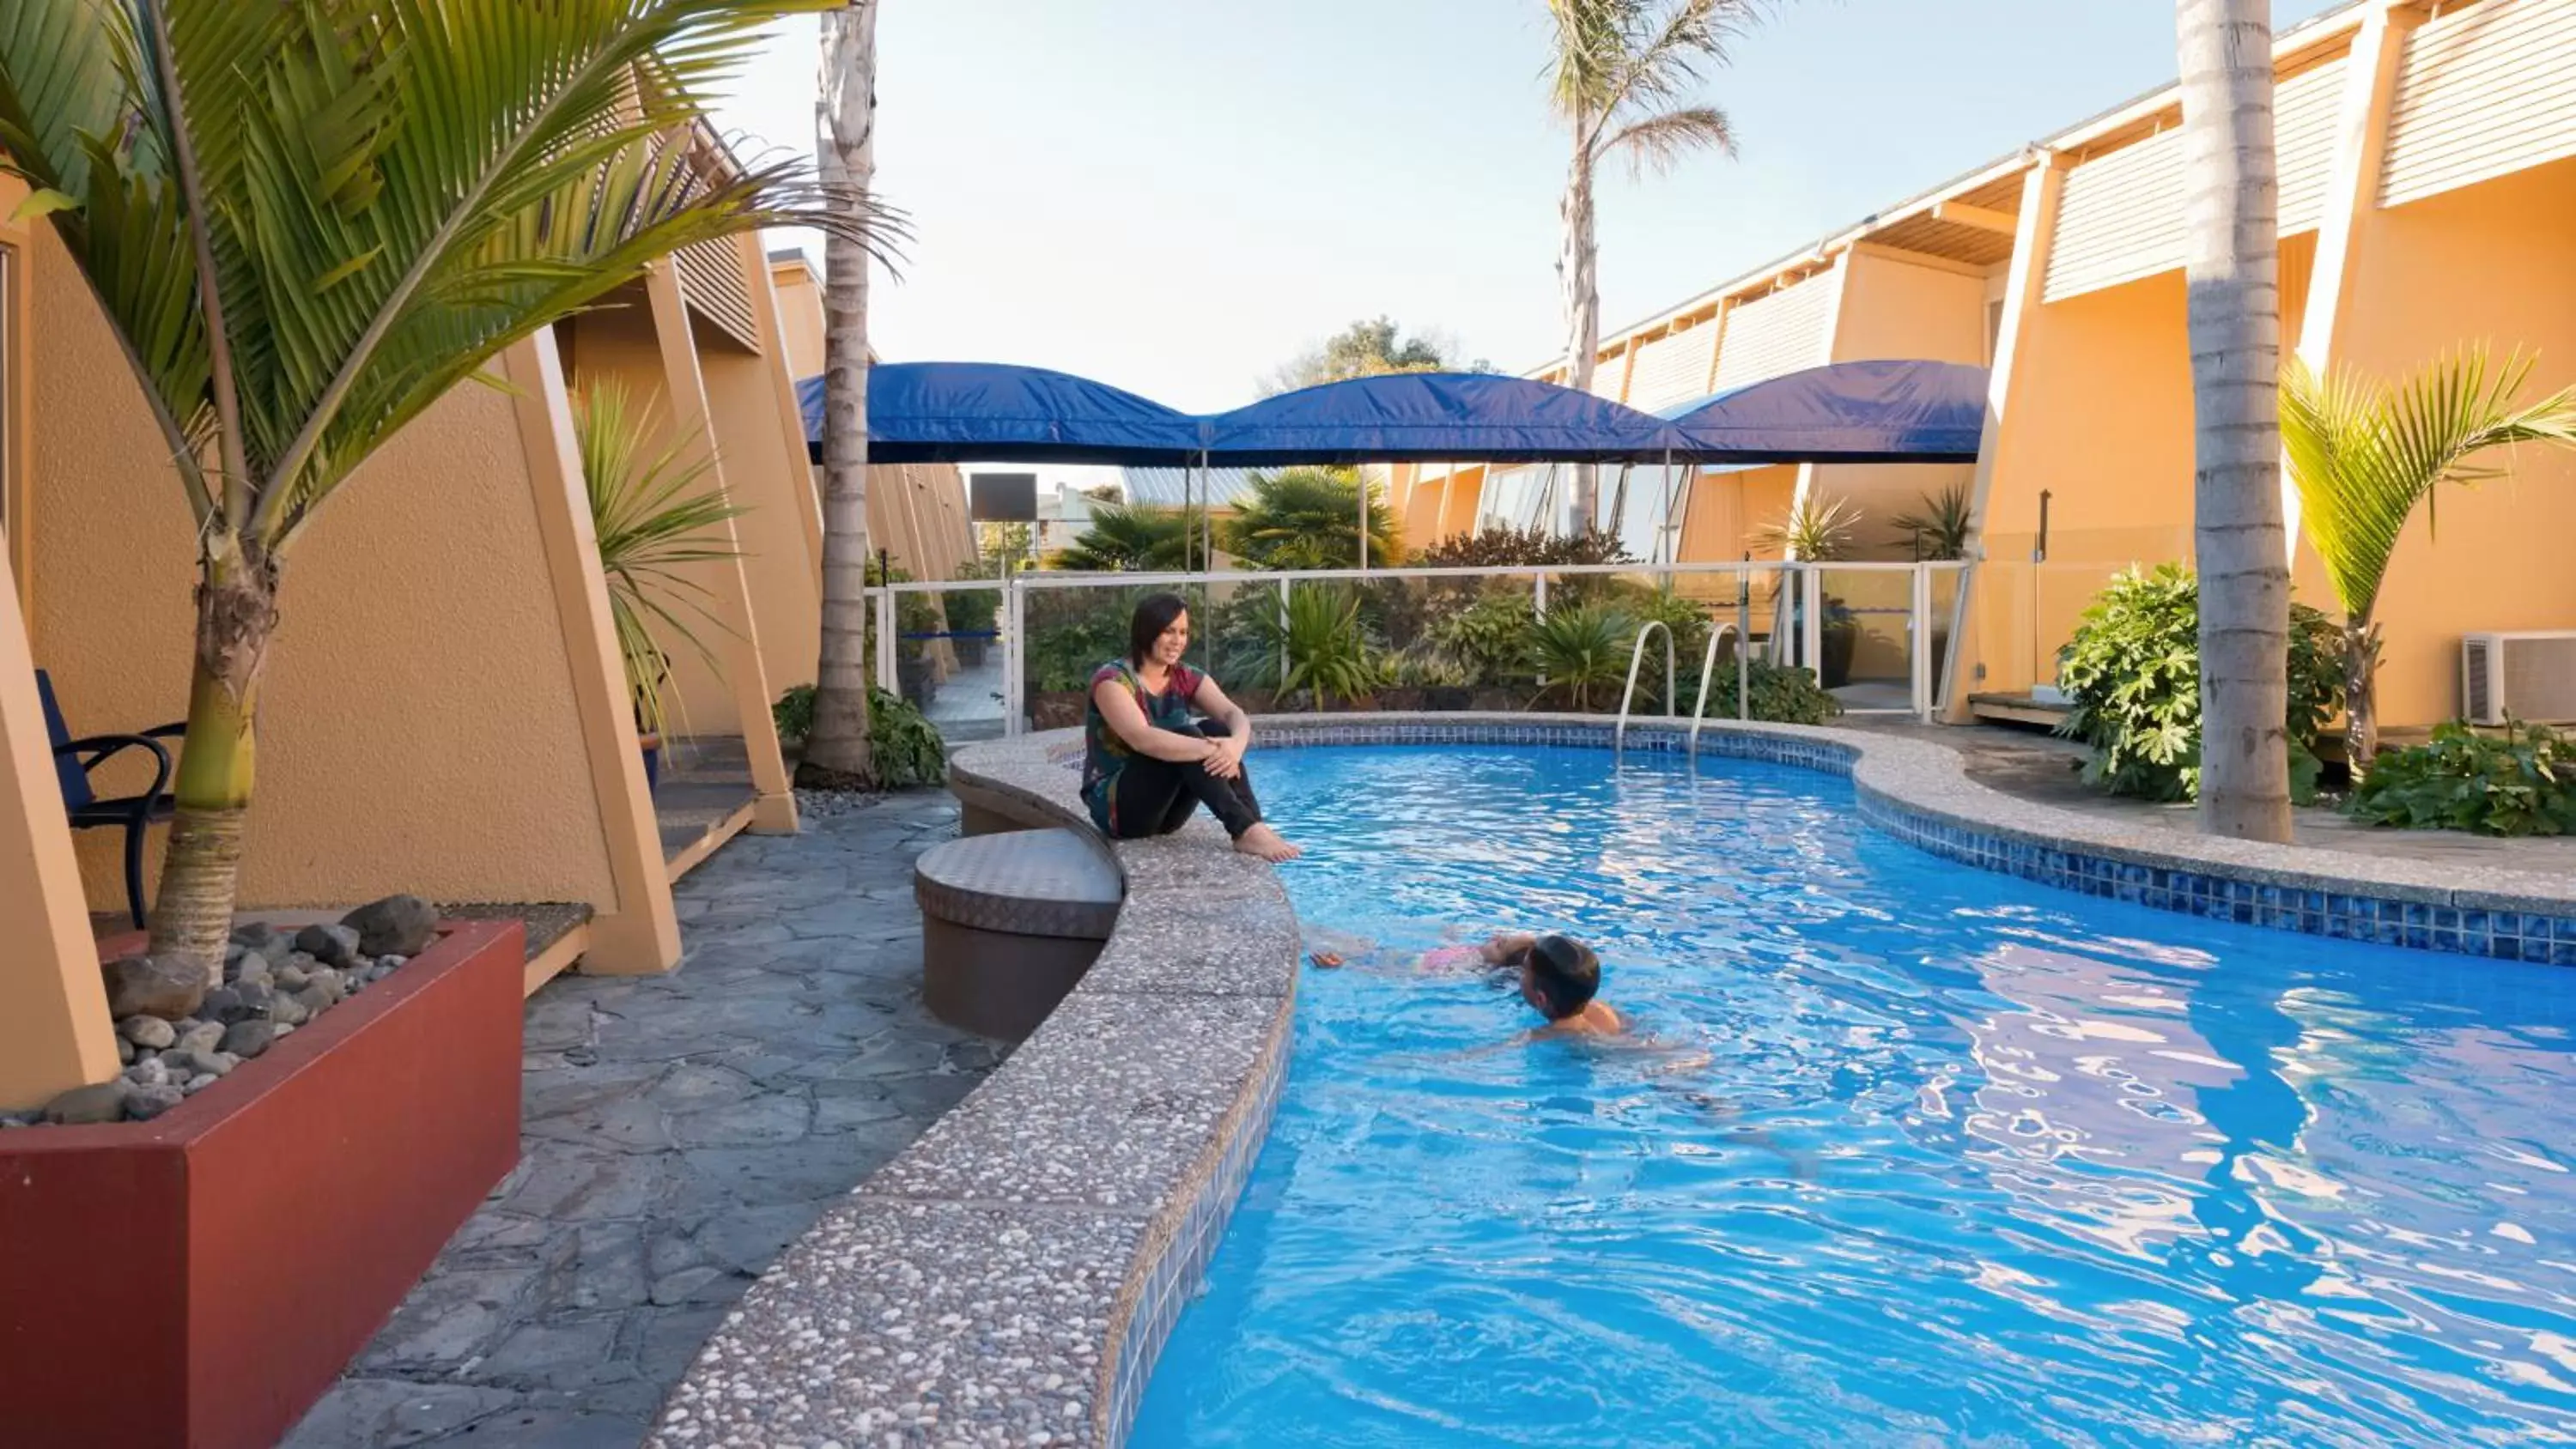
x: 307, y: 222
x: 2232, y: 266
x: 1619, y: 77
x: 1308, y: 518
x: 653, y: 515
x: 2363, y: 455
x: 1131, y: 539
x: 845, y: 126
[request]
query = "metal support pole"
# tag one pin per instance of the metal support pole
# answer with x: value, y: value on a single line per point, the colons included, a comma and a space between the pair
x: 1283, y: 634
x: 1360, y: 476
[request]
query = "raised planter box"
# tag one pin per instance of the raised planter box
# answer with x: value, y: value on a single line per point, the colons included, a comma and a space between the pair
x: 200, y: 1279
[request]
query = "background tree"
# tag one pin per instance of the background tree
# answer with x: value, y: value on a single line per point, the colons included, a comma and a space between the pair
x: 1128, y: 540
x: 1620, y: 78
x: 845, y: 128
x: 1307, y: 518
x: 306, y: 223
x: 2232, y: 268
x: 1364, y: 349
x: 2363, y: 455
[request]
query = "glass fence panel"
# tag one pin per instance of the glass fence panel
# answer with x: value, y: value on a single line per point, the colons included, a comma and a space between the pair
x: 1866, y: 638
x: 950, y: 658
x: 1073, y: 629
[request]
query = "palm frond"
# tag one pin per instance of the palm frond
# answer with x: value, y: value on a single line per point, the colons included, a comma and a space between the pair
x: 653, y: 518
x: 1660, y: 141
x: 2364, y: 454
x: 395, y: 191
x: 1635, y: 59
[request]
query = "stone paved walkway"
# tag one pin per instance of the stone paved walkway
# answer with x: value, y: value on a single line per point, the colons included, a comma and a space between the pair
x: 679, y: 1131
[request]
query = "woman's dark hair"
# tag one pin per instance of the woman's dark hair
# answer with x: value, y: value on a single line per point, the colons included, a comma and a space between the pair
x: 1567, y: 974
x: 1154, y: 614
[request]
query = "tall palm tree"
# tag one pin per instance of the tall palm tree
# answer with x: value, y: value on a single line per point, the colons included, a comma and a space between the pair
x: 845, y: 127
x: 1620, y: 78
x: 307, y: 222
x: 2232, y: 266
x: 2363, y: 455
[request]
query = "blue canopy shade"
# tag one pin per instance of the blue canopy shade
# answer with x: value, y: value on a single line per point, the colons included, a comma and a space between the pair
x: 1850, y: 412
x: 988, y: 412
x: 1435, y: 417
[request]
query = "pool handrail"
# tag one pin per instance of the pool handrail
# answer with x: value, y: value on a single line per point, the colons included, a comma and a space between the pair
x: 1708, y: 668
x: 1672, y: 681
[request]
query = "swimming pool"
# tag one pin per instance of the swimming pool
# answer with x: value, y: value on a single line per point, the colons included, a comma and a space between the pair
x: 1969, y: 1160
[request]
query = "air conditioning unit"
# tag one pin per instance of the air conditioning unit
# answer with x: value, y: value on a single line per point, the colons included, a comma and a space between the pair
x: 2529, y: 676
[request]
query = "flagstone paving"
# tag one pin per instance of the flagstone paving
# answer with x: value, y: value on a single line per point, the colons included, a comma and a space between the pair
x: 679, y: 1132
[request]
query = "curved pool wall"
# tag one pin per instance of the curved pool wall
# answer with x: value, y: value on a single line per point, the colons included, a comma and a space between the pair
x: 1019, y: 1268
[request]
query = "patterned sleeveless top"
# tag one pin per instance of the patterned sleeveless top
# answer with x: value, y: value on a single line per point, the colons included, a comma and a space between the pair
x: 1105, y: 755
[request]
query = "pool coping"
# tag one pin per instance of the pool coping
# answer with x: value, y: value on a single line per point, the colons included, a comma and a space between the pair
x: 1018, y: 1269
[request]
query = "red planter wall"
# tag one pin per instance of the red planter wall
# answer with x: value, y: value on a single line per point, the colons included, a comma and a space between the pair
x: 200, y: 1279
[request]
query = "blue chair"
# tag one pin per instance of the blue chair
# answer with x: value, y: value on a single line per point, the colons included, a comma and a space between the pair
x: 73, y: 762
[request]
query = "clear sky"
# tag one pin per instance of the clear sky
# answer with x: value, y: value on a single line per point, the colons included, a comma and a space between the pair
x: 1176, y: 196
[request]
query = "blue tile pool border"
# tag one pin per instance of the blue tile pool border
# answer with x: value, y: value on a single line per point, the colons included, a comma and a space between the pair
x: 769, y: 1377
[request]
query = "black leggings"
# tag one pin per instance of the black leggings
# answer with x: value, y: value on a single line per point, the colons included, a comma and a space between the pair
x: 1157, y: 797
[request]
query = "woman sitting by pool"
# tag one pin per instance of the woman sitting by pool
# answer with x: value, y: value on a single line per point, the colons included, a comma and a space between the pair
x: 1147, y: 763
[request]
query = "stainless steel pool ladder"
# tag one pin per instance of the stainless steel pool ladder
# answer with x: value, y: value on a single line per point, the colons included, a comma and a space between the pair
x: 1707, y: 671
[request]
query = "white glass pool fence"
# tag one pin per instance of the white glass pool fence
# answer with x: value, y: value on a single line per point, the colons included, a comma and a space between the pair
x: 980, y: 656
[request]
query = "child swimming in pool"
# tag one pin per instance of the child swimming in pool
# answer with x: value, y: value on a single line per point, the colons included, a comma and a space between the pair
x: 1558, y: 975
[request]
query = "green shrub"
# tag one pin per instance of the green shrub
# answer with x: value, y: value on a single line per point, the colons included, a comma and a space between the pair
x: 2132, y: 674
x: 2522, y: 782
x: 1500, y: 547
x: 1315, y: 642
x: 1781, y: 694
x: 794, y: 713
x: 905, y: 747
x: 1582, y: 651
x: 1489, y: 639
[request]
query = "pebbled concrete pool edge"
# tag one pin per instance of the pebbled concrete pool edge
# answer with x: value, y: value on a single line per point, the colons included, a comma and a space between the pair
x: 1018, y: 1270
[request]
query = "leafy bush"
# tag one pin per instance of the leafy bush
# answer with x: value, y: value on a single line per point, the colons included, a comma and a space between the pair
x: 2522, y: 782
x: 1582, y: 650
x: 1781, y: 694
x: 1489, y: 639
x: 1501, y: 547
x: 794, y: 713
x: 1425, y: 667
x: 2132, y: 673
x: 1686, y: 617
x: 904, y: 746
x: 1315, y: 642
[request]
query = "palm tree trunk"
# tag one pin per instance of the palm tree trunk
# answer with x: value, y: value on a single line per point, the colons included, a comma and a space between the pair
x: 1578, y: 270
x: 192, y: 915
x: 836, y: 751
x: 2360, y: 693
x: 2232, y: 268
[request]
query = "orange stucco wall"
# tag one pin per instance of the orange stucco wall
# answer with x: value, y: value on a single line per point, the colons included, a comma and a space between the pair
x: 2493, y: 264
x: 417, y: 730
x: 800, y: 315
x: 616, y: 341
x: 786, y: 596
x: 1893, y: 308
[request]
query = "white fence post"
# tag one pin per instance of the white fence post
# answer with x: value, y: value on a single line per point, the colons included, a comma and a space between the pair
x: 1015, y: 658
x: 885, y: 639
x: 1919, y: 626
x: 1811, y: 633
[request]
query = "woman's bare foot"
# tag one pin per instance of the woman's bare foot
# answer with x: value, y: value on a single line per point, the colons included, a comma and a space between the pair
x: 1263, y: 843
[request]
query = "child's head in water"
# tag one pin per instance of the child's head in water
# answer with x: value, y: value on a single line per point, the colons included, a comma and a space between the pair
x: 1559, y: 976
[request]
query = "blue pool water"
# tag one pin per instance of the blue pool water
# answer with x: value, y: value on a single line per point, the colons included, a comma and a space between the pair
x: 1969, y: 1160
